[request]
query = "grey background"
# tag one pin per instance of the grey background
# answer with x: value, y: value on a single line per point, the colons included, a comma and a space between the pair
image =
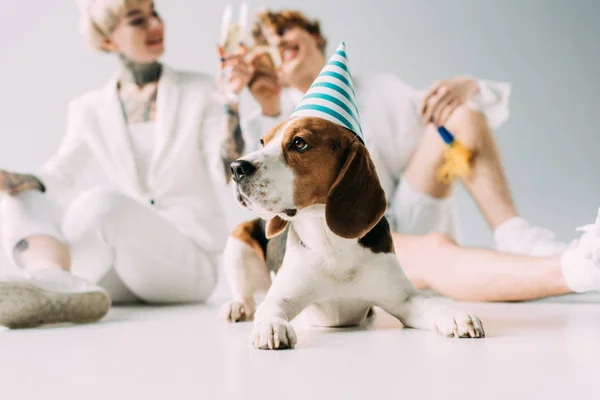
x: 546, y: 48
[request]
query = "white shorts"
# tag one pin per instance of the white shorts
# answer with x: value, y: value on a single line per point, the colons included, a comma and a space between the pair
x: 116, y: 242
x: 414, y: 213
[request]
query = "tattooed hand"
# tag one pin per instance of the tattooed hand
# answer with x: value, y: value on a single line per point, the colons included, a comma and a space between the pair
x: 13, y: 183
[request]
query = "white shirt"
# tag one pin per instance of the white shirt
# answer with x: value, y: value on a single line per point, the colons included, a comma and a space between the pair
x: 390, y: 118
x: 143, y: 141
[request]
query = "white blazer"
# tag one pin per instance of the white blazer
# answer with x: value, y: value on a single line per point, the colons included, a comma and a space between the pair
x: 186, y: 168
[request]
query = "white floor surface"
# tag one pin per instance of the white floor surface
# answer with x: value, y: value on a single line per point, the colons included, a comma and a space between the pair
x: 533, y: 351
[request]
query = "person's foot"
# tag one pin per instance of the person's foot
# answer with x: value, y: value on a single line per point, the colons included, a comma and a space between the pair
x: 50, y: 296
x: 581, y: 262
x: 520, y: 237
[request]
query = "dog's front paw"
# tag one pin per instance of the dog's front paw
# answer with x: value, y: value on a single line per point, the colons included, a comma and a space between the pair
x: 273, y: 334
x: 460, y: 326
x: 236, y: 311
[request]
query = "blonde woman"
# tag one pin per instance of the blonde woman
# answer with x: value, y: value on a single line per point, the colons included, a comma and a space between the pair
x: 163, y: 140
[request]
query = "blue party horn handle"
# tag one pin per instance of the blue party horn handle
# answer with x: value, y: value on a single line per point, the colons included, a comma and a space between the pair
x: 446, y: 135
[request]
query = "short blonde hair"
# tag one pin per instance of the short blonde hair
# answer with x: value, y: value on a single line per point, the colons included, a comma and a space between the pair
x: 99, y: 18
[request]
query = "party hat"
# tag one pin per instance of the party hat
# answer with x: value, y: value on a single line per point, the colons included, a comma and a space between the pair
x: 332, y: 96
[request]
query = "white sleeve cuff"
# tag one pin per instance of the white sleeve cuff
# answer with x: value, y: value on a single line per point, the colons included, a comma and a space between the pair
x: 492, y: 101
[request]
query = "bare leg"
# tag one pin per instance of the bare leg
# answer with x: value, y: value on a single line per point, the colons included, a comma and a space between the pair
x: 397, y: 296
x: 41, y: 252
x: 49, y: 293
x: 487, y: 184
x: 36, y: 300
x: 24, y: 217
x: 436, y: 262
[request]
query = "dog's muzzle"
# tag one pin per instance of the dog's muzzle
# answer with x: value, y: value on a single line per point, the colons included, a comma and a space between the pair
x: 241, y: 169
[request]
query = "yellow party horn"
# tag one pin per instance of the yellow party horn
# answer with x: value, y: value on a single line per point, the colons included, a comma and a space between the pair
x: 457, y: 158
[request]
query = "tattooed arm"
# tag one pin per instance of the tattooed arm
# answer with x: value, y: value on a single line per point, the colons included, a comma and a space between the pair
x: 233, y: 144
x: 236, y: 72
x: 13, y: 183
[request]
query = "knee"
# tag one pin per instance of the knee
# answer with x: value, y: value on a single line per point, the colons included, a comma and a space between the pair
x: 92, y: 209
x: 465, y: 115
x: 467, y: 124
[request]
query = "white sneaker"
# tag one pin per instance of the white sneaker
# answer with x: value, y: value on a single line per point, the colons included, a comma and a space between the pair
x: 520, y: 237
x: 581, y: 262
x: 50, y: 296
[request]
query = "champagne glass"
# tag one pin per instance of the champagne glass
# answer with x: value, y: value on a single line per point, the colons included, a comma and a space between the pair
x: 232, y: 39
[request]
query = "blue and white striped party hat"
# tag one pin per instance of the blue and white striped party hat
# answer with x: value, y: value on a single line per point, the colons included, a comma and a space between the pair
x: 331, y: 96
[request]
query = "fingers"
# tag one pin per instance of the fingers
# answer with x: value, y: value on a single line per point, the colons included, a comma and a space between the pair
x: 262, y: 60
x: 435, y: 102
x: 235, y: 73
x: 241, y: 50
x: 265, y: 71
x: 241, y: 70
x: 432, y: 90
x: 233, y: 60
x: 264, y: 77
x: 438, y: 103
x: 255, y: 57
x: 241, y: 74
x: 264, y: 83
x: 447, y: 112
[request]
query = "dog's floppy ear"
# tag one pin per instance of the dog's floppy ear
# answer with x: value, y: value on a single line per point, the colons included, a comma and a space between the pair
x: 275, y: 226
x: 356, y: 201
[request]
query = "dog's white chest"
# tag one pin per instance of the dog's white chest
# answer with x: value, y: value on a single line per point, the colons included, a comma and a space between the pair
x: 333, y: 258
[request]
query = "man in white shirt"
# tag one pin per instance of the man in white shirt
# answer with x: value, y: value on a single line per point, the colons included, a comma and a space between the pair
x: 407, y: 153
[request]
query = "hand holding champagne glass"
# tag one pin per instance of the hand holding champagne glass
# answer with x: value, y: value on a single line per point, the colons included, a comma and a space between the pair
x: 256, y: 67
x: 235, y: 71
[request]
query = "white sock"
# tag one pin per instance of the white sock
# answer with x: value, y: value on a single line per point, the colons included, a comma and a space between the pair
x: 580, y: 264
x: 518, y: 236
x: 56, y: 280
x: 580, y: 272
x: 504, y: 234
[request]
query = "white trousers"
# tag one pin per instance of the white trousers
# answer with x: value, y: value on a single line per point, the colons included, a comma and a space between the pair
x: 414, y: 213
x: 118, y: 243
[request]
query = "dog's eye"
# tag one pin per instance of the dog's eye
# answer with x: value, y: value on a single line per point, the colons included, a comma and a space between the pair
x: 299, y: 144
x: 262, y: 143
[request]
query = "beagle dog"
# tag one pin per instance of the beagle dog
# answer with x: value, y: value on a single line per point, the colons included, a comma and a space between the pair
x: 325, y: 239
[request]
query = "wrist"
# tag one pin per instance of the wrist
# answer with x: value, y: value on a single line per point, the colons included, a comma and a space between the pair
x: 232, y: 107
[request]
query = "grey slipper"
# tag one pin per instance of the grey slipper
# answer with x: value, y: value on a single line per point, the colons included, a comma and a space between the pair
x: 49, y: 297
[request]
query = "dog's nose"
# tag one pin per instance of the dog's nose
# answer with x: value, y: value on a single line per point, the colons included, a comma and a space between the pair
x: 241, y: 168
